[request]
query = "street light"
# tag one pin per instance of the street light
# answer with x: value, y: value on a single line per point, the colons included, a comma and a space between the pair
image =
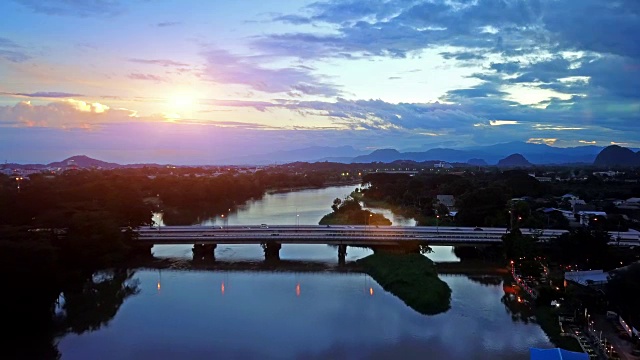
x: 437, y: 224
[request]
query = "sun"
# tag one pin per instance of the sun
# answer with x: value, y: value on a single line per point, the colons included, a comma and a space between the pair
x: 182, y: 102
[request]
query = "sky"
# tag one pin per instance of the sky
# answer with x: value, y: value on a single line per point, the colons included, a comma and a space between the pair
x: 197, y: 82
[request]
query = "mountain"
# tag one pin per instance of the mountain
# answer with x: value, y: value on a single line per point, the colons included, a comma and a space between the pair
x: 308, y: 154
x: 380, y: 155
x: 537, y: 153
x: 477, y: 162
x: 615, y: 155
x: 438, y: 154
x: 514, y: 160
x: 83, y: 161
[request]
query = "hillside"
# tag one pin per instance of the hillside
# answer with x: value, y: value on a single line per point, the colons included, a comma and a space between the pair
x: 615, y: 155
x: 514, y: 160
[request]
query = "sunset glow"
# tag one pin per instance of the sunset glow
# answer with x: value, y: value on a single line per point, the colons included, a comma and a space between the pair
x: 313, y: 72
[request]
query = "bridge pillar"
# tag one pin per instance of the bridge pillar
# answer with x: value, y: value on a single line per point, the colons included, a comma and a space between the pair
x: 141, y: 250
x: 271, y: 251
x: 342, y: 254
x: 204, y: 251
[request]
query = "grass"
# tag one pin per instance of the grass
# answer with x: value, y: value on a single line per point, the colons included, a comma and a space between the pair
x: 412, y: 278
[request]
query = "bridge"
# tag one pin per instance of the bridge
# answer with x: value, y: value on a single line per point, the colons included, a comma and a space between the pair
x: 206, y: 238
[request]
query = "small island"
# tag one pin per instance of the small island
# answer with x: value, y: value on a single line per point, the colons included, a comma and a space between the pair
x: 350, y: 212
x: 412, y: 278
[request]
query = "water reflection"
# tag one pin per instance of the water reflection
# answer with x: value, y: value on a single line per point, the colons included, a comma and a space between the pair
x: 91, y: 305
x: 334, y: 319
x: 304, y: 207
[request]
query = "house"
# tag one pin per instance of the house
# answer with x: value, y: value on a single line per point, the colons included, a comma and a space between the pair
x: 447, y: 200
x: 587, y: 278
x: 585, y: 216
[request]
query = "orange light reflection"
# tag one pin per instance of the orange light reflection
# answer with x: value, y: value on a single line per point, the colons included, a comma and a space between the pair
x: 371, y: 291
x: 298, y: 289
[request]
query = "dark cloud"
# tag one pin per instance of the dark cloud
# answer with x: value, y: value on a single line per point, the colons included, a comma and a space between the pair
x: 11, y: 51
x: 594, y: 25
x: 463, y: 55
x: 399, y: 27
x: 226, y: 68
x: 161, y: 62
x: 81, y: 8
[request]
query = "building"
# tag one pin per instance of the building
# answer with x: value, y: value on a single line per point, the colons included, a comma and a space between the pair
x: 447, y: 200
x: 587, y: 278
x: 585, y: 216
x: 442, y: 165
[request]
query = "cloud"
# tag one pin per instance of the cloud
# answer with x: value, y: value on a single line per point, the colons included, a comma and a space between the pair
x: 45, y: 94
x: 533, y: 45
x: 587, y: 142
x: 168, y: 23
x: 464, y: 55
x: 11, y: 51
x: 546, y: 141
x: 148, y: 77
x: 502, y: 122
x: 618, y: 143
x: 68, y: 113
x: 397, y: 27
x: 226, y: 68
x: 161, y: 62
x: 80, y: 8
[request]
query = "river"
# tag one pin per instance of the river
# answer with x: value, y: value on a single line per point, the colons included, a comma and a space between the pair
x: 284, y: 314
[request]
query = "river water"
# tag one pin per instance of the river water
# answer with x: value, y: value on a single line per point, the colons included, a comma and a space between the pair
x: 282, y: 314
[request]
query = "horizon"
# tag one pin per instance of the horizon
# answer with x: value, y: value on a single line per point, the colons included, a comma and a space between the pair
x: 154, y: 82
x: 335, y: 159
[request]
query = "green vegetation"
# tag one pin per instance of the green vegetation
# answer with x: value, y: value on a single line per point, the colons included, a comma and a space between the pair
x: 482, y: 198
x: 349, y: 212
x: 624, y: 290
x: 412, y: 278
x: 547, y: 318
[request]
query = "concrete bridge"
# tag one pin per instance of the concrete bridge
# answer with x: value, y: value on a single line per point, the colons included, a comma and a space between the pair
x: 206, y: 238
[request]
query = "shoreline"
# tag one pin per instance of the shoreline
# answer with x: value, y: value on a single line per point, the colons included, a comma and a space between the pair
x: 300, y: 188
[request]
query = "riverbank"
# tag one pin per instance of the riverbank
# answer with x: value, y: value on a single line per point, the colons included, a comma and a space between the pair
x: 470, y: 267
x: 547, y: 318
x: 398, y: 210
x: 412, y: 278
x: 301, y: 188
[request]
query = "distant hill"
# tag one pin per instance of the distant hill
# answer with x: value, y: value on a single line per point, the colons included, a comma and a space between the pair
x: 477, y: 162
x: 615, y: 155
x: 84, y: 161
x: 537, y: 153
x: 514, y: 160
x: 309, y: 154
x: 438, y: 154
